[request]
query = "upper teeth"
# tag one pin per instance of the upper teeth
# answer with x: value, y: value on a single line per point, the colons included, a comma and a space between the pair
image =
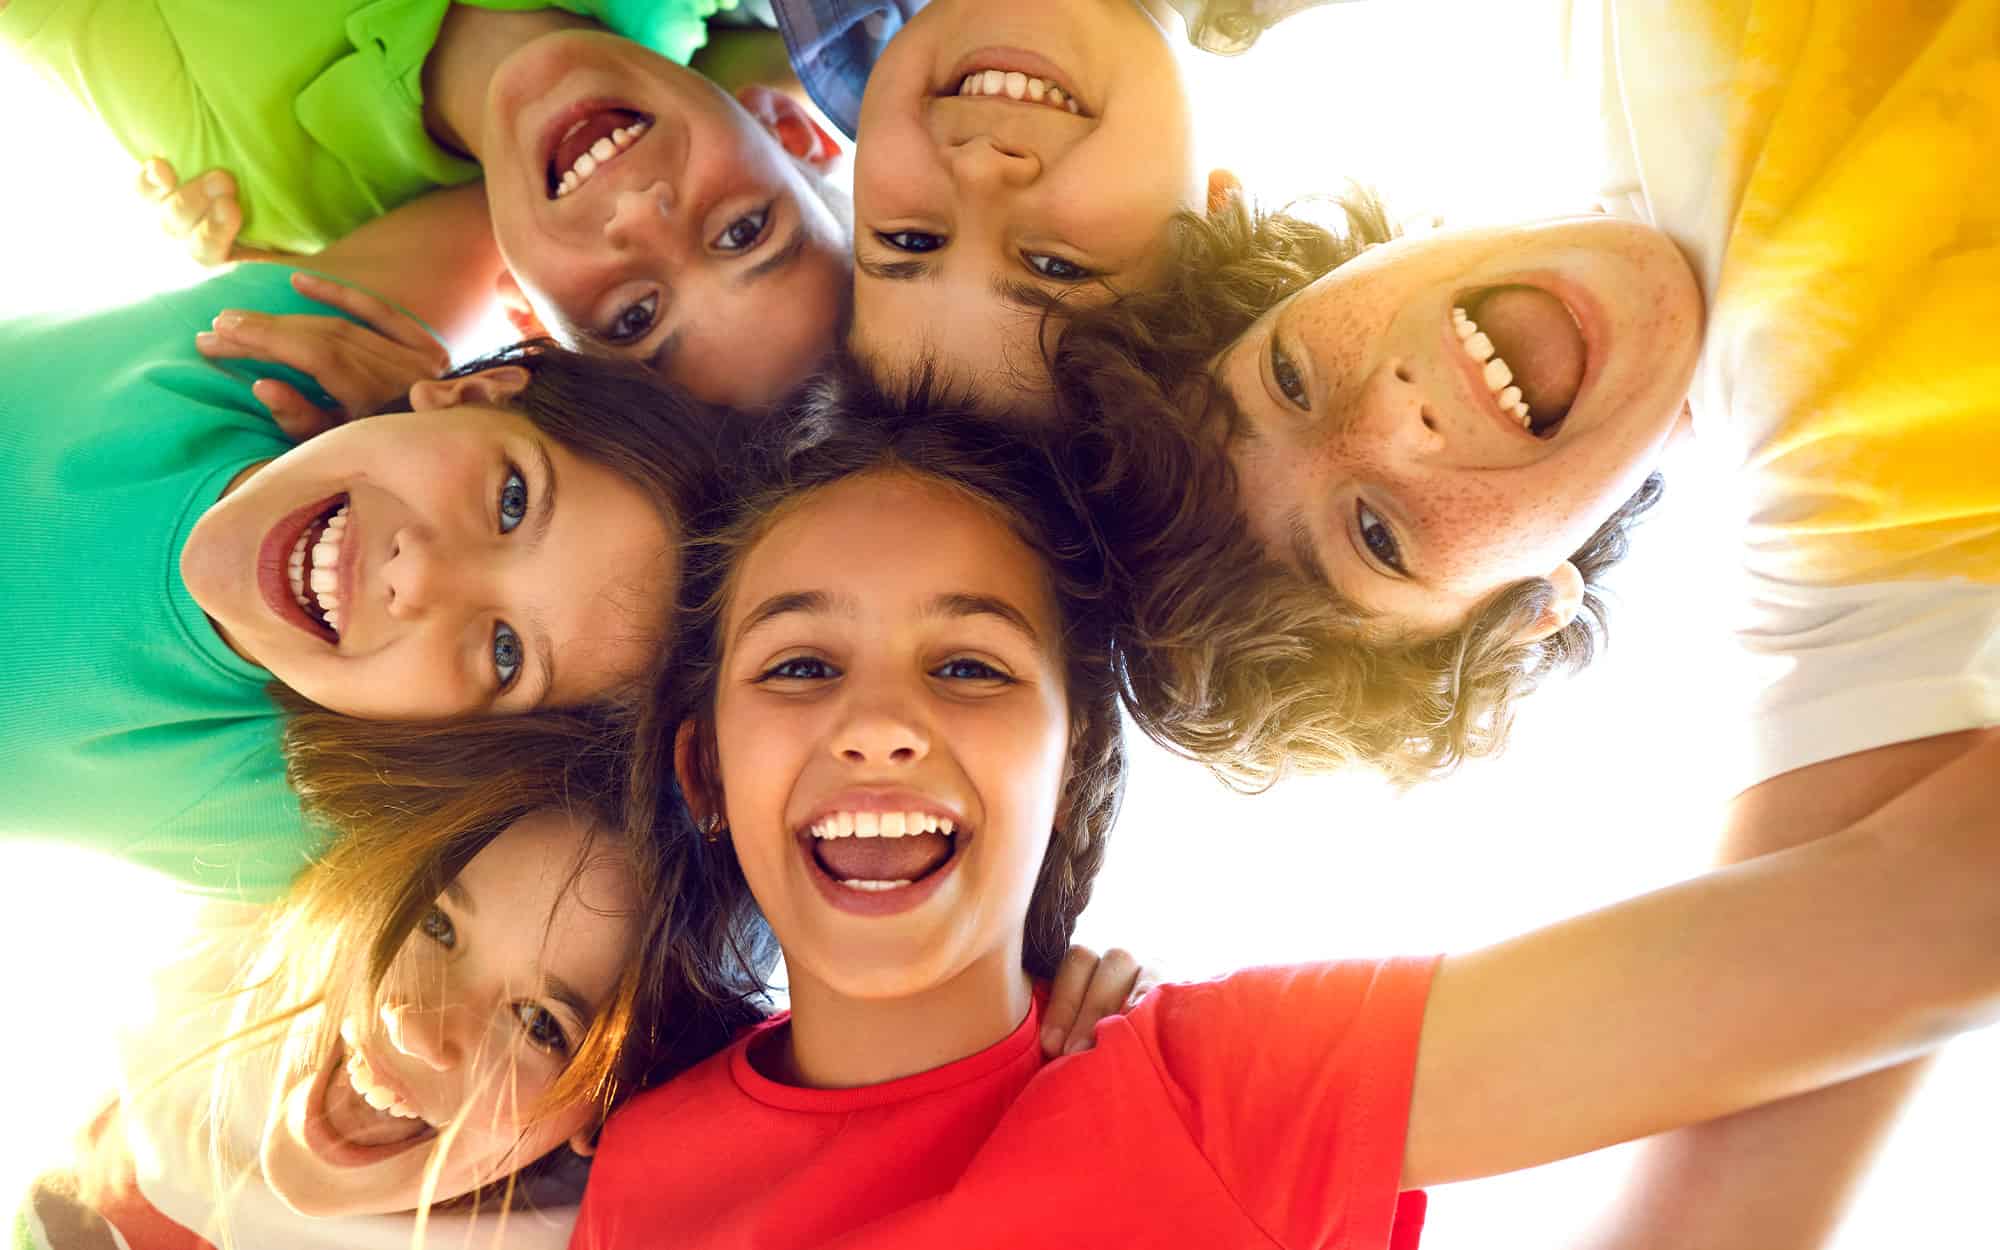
x: 880, y: 825
x: 1498, y: 375
x: 326, y: 565
x: 372, y: 1091
x: 1017, y: 86
x: 600, y: 152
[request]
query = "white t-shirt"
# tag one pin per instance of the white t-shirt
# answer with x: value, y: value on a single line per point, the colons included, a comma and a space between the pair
x: 1830, y: 168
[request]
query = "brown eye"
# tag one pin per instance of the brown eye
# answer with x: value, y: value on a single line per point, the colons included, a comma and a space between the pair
x: 1286, y: 375
x: 742, y: 234
x: 634, y: 321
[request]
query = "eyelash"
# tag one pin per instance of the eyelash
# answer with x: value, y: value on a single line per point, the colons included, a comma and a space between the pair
x: 987, y: 672
x: 1387, y: 551
x: 512, y: 509
x: 1282, y: 371
x: 626, y: 327
x: 1073, y: 271
x: 910, y: 240
x: 437, y: 926
x: 762, y: 216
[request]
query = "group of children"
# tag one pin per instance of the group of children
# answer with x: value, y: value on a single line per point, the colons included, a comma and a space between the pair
x: 788, y: 594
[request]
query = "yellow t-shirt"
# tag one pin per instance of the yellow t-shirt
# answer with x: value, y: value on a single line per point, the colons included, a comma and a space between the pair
x: 1833, y: 170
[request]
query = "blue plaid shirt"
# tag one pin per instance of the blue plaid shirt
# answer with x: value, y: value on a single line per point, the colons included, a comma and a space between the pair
x: 833, y: 45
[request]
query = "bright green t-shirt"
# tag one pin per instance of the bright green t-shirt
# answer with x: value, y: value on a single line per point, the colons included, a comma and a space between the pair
x: 315, y: 105
x: 126, y: 724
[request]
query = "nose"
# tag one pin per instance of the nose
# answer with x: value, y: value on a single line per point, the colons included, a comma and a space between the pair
x: 1391, y: 420
x: 881, y: 727
x: 641, y: 217
x: 421, y: 575
x: 980, y: 163
x: 426, y: 1034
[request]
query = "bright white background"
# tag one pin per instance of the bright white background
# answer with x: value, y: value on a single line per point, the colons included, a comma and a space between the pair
x: 1612, y: 786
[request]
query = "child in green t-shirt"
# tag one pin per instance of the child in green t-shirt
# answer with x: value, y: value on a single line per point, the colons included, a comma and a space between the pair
x: 627, y: 192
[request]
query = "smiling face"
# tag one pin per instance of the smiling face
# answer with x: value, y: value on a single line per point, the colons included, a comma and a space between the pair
x: 644, y: 213
x: 918, y: 699
x: 1044, y: 144
x: 480, y: 1012
x: 1382, y: 449
x: 451, y: 562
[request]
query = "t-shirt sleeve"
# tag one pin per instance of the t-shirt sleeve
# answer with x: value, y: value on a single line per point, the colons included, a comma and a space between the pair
x: 1294, y: 1083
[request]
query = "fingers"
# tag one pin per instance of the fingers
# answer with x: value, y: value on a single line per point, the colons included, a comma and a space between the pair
x: 1066, y: 998
x: 203, y: 212
x: 1111, y: 986
x: 156, y: 179
x: 296, y: 415
x: 384, y: 317
x: 214, y: 236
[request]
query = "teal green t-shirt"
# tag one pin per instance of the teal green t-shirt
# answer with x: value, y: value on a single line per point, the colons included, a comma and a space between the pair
x: 126, y: 724
x: 315, y: 105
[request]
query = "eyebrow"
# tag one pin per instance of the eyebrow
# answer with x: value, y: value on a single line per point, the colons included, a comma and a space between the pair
x: 1305, y: 551
x: 956, y: 605
x: 793, y: 248
x: 1025, y: 296
x: 896, y: 270
x: 461, y: 896
x: 565, y: 993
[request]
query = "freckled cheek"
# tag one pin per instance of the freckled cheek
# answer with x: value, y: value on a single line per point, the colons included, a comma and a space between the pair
x: 1473, y: 534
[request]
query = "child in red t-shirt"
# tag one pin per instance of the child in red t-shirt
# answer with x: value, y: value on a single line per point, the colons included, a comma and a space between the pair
x: 909, y: 753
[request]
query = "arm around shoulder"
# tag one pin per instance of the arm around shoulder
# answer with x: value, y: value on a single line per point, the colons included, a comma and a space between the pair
x: 1725, y: 992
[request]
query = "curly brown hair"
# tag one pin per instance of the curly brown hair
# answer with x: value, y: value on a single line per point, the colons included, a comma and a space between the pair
x: 847, y: 424
x: 1253, y: 672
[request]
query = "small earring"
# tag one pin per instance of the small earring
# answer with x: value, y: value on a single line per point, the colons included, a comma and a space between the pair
x: 712, y: 828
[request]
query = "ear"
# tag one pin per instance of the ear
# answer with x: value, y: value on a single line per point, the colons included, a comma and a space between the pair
x: 1223, y: 186
x: 514, y: 303
x: 697, y: 787
x: 491, y: 387
x: 1563, y: 605
x: 791, y: 124
x: 585, y: 1141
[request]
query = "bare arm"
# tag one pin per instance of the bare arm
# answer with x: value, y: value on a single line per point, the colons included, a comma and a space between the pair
x: 434, y: 256
x: 1726, y: 992
x: 1778, y: 1177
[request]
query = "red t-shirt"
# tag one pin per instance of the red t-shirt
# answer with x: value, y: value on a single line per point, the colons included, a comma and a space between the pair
x: 1264, y: 1109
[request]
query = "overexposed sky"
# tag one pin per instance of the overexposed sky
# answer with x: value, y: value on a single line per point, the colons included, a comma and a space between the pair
x: 1612, y: 786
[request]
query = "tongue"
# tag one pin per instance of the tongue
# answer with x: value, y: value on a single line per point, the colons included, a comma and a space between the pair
x: 352, y: 1119
x: 882, y: 859
x: 582, y: 138
x: 1533, y: 332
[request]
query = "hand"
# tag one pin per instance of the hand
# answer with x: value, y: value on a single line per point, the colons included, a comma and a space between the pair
x: 1086, y: 990
x: 203, y: 213
x: 362, y: 367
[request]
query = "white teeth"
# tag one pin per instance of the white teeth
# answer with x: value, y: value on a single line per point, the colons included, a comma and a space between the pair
x: 585, y: 166
x: 875, y: 887
x: 376, y: 1095
x: 1498, y: 375
x: 880, y: 825
x: 600, y: 152
x: 324, y: 580
x: 604, y: 149
x: 1015, y: 85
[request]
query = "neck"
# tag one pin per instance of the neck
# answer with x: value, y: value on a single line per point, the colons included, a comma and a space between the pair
x: 469, y: 49
x: 840, y: 1042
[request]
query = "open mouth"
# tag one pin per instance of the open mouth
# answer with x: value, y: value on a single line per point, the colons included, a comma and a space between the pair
x: 590, y: 139
x: 882, y: 852
x: 354, y: 1118
x: 1017, y: 76
x: 1529, y: 349
x: 312, y: 569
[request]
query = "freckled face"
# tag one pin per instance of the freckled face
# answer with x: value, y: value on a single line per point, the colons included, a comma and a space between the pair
x: 697, y: 247
x: 959, y: 197
x: 1374, y: 453
x: 479, y: 568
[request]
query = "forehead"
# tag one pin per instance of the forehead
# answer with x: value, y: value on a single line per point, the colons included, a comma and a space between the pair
x: 555, y: 891
x: 893, y: 540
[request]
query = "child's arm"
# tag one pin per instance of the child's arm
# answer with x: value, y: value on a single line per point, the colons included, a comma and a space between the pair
x: 1778, y: 1177
x: 1750, y: 984
x: 434, y: 256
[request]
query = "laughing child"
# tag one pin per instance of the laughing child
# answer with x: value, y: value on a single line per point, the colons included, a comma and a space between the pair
x: 509, y: 541
x: 642, y: 211
x: 1447, y: 433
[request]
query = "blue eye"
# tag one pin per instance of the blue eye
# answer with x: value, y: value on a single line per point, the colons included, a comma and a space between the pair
x: 1056, y: 267
x: 1286, y: 375
x: 507, y: 654
x: 544, y: 1031
x: 437, y: 926
x: 964, y: 669
x: 513, y: 500
x: 910, y: 240
x: 1376, y: 536
x: 633, y: 321
x: 799, y: 668
x: 743, y: 233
